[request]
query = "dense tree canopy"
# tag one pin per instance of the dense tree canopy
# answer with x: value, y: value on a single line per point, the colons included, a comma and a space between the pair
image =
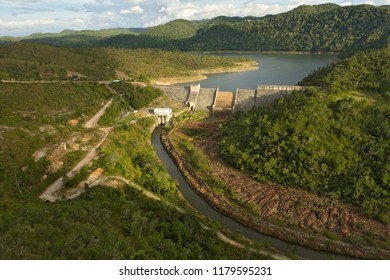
x: 312, y: 141
x: 367, y: 70
x: 137, y: 96
x: 108, y: 224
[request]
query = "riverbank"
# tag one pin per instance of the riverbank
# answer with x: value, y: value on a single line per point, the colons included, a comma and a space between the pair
x: 266, y: 225
x: 199, y: 75
x: 269, y: 52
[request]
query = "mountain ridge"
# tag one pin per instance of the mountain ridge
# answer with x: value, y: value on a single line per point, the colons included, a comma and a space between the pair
x: 325, y: 27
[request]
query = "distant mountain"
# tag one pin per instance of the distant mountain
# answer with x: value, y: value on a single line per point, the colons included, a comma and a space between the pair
x: 72, y: 37
x: 26, y: 61
x: 327, y: 27
x: 315, y: 9
x: 330, y: 29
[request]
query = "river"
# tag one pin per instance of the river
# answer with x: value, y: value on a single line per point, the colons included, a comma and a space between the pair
x: 274, y: 69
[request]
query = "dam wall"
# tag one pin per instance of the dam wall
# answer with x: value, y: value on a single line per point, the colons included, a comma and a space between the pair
x: 212, y: 99
x: 180, y: 94
x: 245, y: 99
x: 269, y: 93
x: 206, y: 99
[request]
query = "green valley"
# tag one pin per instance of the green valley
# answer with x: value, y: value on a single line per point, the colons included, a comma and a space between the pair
x: 81, y: 177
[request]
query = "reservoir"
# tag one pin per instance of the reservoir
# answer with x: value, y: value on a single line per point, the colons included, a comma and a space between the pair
x: 274, y: 69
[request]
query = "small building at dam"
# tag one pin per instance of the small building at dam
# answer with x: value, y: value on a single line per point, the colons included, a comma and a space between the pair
x: 212, y: 99
x: 163, y: 114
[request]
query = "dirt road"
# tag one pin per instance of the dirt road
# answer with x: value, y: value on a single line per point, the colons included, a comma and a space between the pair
x: 92, y: 122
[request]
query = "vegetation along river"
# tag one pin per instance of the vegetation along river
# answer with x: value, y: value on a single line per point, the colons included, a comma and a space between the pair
x: 201, y: 205
x: 274, y: 69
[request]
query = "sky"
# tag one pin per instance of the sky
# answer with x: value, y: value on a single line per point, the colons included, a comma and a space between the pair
x: 23, y: 17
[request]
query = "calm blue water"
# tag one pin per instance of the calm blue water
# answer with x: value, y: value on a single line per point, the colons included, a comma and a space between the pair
x: 274, y: 69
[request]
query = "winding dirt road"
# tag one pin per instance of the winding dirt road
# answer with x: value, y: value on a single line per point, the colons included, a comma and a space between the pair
x: 50, y: 192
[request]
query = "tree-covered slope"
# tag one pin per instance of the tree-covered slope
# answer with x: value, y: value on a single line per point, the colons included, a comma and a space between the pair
x: 23, y: 61
x: 367, y: 70
x: 109, y: 224
x: 330, y: 30
x: 72, y: 38
x: 177, y: 29
x: 338, y: 147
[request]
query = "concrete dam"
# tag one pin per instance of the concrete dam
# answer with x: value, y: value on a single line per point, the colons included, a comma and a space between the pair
x: 212, y: 99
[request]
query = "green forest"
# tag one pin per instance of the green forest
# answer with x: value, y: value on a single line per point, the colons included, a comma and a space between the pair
x: 136, y: 96
x: 105, y: 223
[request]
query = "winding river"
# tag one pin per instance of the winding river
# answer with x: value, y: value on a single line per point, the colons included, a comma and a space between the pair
x: 204, y: 208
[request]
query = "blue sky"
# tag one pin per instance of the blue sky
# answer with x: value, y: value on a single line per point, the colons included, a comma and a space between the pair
x: 23, y: 17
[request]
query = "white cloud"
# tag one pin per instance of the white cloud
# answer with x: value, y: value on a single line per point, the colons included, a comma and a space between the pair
x: 178, y: 9
x: 135, y: 2
x: 12, y: 24
x: 348, y: 3
x: 105, y: 2
x: 132, y: 10
x: 157, y: 21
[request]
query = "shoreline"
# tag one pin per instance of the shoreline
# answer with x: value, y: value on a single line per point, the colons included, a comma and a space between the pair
x: 202, y: 74
x: 269, y: 52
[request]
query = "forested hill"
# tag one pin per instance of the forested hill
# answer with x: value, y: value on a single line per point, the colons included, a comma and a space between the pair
x: 73, y: 38
x: 25, y: 61
x: 324, y: 143
x: 326, y: 27
x: 366, y: 70
x: 307, y: 28
x: 177, y: 29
